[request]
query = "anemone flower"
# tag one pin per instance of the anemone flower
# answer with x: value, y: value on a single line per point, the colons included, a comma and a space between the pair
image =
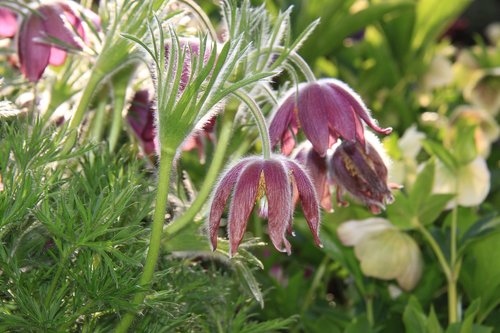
x: 35, y: 52
x: 361, y: 171
x: 326, y: 110
x: 8, y: 23
x: 253, y: 179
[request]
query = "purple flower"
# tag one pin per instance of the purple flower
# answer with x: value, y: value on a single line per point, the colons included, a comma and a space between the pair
x: 361, y: 171
x: 34, y: 49
x: 317, y: 169
x: 8, y: 23
x: 140, y: 116
x: 326, y: 110
x: 254, y: 179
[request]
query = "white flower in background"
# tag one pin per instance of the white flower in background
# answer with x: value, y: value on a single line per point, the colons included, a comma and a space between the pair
x: 487, y: 130
x: 384, y: 251
x: 439, y: 74
x: 471, y: 183
x: 493, y: 33
x: 485, y: 91
x: 403, y: 170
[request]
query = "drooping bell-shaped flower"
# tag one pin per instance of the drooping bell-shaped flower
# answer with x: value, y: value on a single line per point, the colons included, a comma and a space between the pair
x: 8, y: 23
x: 361, y: 171
x: 48, y: 22
x: 253, y: 179
x: 317, y: 169
x: 326, y: 110
x: 140, y: 116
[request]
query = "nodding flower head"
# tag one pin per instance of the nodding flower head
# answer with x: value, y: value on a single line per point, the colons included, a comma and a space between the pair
x: 326, y: 110
x: 255, y: 179
x: 8, y: 23
x: 317, y: 169
x: 140, y: 116
x: 55, y: 20
x: 361, y: 171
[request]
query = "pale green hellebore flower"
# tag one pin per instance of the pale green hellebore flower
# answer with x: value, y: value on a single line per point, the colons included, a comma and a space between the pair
x: 384, y: 251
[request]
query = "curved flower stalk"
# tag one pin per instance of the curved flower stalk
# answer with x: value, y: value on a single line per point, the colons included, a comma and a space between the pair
x: 326, y: 110
x: 255, y: 179
x: 383, y: 251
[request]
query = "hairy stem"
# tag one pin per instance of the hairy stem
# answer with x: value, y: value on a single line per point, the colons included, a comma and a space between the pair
x: 198, y: 11
x: 116, y: 123
x: 215, y: 166
x: 259, y: 120
x: 437, y: 250
x: 166, y: 163
x: 452, y: 281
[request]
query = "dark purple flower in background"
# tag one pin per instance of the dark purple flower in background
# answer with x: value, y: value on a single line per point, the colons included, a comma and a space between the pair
x: 361, y: 171
x: 326, y: 110
x: 51, y: 21
x: 141, y: 118
x: 253, y: 179
x: 8, y: 23
x: 317, y: 169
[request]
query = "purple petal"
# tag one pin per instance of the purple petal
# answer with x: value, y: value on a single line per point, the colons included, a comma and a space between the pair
x: 357, y: 103
x: 8, y: 23
x: 308, y: 198
x: 313, y: 116
x: 282, y: 119
x: 245, y: 194
x: 219, y: 199
x: 279, y: 197
x: 33, y: 57
x: 342, y: 117
x: 56, y: 27
x: 57, y: 56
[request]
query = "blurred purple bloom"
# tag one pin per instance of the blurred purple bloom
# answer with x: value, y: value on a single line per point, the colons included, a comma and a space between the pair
x: 8, y: 23
x: 254, y: 179
x: 326, y: 110
x: 34, y: 48
x: 361, y: 171
x: 140, y: 116
x: 317, y: 170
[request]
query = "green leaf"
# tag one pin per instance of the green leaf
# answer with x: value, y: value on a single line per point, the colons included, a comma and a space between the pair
x: 359, y: 325
x: 401, y: 213
x: 414, y: 318
x: 436, y: 149
x: 433, y: 325
x: 465, y: 150
x: 423, y: 185
x: 249, y: 280
x: 479, y: 230
x: 432, y: 207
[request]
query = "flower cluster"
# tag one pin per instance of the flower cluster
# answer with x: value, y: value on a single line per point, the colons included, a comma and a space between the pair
x: 46, y: 34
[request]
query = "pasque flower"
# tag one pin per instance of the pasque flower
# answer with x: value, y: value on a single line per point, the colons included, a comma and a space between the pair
x: 8, y: 23
x: 50, y: 21
x: 317, y: 169
x: 326, y: 110
x: 253, y: 179
x: 140, y: 116
x: 361, y: 171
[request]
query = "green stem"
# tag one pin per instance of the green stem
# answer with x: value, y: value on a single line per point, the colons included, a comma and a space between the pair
x: 116, y: 123
x: 83, y: 105
x: 452, y: 281
x: 318, y: 275
x: 206, y: 188
x: 437, y: 250
x: 298, y: 61
x: 98, y: 122
x: 259, y: 120
x: 166, y: 164
x: 369, y: 310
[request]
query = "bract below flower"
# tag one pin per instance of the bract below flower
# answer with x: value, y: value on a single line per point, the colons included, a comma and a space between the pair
x: 471, y: 183
x: 249, y: 181
x: 383, y: 251
x: 326, y: 110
